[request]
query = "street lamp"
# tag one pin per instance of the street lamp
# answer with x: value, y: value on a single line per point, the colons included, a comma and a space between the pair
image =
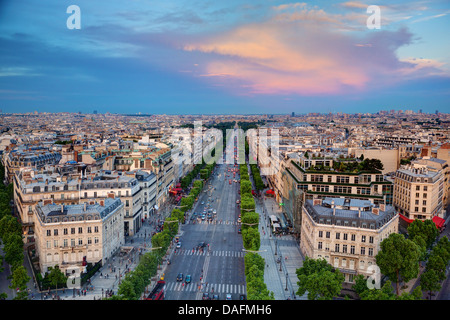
x: 286, y: 280
x: 281, y: 261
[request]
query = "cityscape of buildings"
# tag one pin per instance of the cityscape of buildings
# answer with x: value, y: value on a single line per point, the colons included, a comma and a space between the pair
x: 89, y: 187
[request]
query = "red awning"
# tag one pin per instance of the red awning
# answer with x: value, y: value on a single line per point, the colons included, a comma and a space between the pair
x: 270, y: 192
x: 439, y: 222
x: 405, y: 218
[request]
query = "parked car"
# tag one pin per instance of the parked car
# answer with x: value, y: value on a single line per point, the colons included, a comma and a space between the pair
x: 215, y: 297
x: 178, y: 245
x: 206, y: 296
x: 228, y: 296
x: 180, y: 277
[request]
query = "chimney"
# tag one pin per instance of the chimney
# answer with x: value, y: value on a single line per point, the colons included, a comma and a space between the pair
x: 62, y: 208
x: 112, y: 195
x: 102, y: 203
x: 85, y: 206
x: 47, y: 201
x: 376, y: 211
x: 382, y: 207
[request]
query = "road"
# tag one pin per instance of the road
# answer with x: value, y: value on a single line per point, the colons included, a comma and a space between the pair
x: 222, y: 260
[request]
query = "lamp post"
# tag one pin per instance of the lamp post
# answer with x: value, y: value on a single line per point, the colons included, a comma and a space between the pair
x: 281, y: 261
x: 286, y: 280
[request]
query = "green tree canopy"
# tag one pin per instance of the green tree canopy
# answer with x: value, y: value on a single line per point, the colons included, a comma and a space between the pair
x: 319, y: 279
x: 398, y: 258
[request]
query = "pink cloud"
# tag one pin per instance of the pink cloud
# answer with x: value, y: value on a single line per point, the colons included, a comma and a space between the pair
x: 296, y: 52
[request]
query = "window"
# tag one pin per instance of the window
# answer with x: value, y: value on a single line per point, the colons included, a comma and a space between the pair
x: 65, y: 242
x: 344, y: 248
x: 353, y: 237
x: 80, y: 241
x: 424, y: 195
x: 336, y: 247
x: 371, y: 239
x: 363, y: 238
x: 49, y: 233
x: 96, y: 229
x: 352, y: 249
x: 417, y: 188
x: 425, y: 188
x: 320, y: 234
x: 72, y: 242
x: 338, y: 235
x: 363, y: 250
x: 55, y: 243
x: 424, y: 202
x: 49, y: 244
x: 72, y: 230
x: 89, y: 240
x: 96, y: 240
x: 345, y: 236
x: 55, y: 232
x: 319, y: 246
x: 328, y: 234
x: 370, y: 251
x: 89, y: 230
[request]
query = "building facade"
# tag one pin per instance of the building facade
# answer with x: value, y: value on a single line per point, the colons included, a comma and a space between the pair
x: 346, y: 233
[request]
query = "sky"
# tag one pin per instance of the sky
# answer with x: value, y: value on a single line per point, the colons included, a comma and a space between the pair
x: 224, y: 57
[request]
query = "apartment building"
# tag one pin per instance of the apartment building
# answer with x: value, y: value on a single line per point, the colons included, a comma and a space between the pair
x: 324, y: 176
x: 419, y: 192
x: 30, y: 187
x: 346, y: 233
x: 147, y: 181
x: 28, y: 156
x: 71, y: 236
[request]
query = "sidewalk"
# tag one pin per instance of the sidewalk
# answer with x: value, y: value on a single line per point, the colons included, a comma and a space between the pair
x: 283, y: 246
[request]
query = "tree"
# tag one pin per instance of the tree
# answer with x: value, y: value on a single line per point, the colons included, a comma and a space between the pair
x: 398, y: 258
x: 426, y: 229
x: 320, y: 279
x: 246, y: 187
x: 171, y: 227
x: 430, y: 281
x: 55, y: 276
x: 19, y: 280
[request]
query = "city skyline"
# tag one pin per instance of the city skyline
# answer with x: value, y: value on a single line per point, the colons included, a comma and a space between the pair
x: 207, y: 57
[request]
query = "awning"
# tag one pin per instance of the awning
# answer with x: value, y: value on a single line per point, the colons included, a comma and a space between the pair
x: 270, y: 191
x: 439, y: 222
x: 405, y: 218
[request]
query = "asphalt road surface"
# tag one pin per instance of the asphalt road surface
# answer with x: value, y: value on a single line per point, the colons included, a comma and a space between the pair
x: 219, y: 267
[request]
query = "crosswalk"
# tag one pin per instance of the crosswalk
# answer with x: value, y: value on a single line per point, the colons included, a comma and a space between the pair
x: 214, y: 253
x: 218, y: 288
x: 226, y: 222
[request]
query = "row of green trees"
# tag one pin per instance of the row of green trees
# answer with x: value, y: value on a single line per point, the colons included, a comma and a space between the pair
x: 12, y: 239
x: 259, y: 184
x: 254, y: 263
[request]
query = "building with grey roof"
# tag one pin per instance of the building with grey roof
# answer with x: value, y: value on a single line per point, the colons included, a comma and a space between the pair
x: 71, y: 236
x: 346, y: 233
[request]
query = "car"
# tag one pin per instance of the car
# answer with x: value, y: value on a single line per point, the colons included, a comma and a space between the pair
x: 180, y: 277
x: 203, y: 217
x: 215, y: 297
x: 214, y: 211
x: 228, y: 296
x: 206, y: 296
x: 239, y: 230
x: 239, y: 219
x: 242, y: 297
x: 201, y: 245
x: 188, y: 278
x: 178, y: 245
x: 203, y: 202
x: 238, y: 201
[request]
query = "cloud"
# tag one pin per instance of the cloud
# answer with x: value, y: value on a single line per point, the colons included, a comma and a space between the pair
x: 299, y: 54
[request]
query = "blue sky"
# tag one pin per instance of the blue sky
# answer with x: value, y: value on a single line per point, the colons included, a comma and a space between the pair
x: 224, y: 57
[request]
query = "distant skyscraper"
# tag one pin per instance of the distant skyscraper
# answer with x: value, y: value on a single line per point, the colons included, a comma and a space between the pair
x: 95, y: 111
x: 293, y: 114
